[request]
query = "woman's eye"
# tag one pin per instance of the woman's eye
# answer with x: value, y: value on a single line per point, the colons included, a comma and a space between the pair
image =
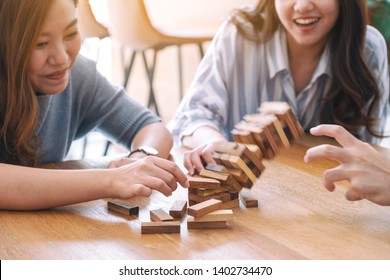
x: 72, y: 35
x: 41, y: 45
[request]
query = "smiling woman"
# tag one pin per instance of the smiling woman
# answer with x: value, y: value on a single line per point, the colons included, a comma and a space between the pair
x: 50, y: 95
x: 318, y: 56
x: 56, y: 50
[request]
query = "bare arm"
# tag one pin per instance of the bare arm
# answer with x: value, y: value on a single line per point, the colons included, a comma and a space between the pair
x: 154, y: 135
x: 25, y: 188
x: 366, y: 169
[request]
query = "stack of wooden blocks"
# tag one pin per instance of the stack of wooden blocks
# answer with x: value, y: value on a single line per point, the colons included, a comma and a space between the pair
x: 216, y: 189
x: 239, y: 163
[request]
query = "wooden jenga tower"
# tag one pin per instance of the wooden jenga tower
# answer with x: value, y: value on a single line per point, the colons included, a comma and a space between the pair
x: 216, y: 190
x: 239, y: 163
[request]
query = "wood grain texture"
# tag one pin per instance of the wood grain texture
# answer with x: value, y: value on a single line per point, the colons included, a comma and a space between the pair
x: 160, y: 227
x: 297, y: 218
x: 202, y: 208
x: 206, y: 225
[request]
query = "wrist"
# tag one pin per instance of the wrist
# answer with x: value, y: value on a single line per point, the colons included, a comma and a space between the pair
x: 143, y: 151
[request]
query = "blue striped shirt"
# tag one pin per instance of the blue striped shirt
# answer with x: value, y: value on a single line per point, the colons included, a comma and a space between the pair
x: 236, y: 75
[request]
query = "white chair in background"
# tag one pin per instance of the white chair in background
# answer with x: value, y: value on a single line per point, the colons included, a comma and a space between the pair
x: 131, y: 26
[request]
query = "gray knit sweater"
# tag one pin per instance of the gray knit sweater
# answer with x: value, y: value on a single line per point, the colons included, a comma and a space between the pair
x: 88, y: 103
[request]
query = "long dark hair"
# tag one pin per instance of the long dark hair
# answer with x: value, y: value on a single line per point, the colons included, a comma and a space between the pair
x: 354, y: 94
x: 20, y: 24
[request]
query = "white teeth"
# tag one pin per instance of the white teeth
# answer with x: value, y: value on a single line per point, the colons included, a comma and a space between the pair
x: 306, y: 21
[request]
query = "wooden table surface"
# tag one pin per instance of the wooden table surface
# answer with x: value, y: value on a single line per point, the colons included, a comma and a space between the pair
x: 297, y: 218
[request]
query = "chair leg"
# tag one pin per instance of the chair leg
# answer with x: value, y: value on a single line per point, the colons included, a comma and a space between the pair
x: 179, y: 59
x: 150, y: 74
x: 85, y: 144
x: 108, y: 144
x: 128, y: 67
x: 201, y: 51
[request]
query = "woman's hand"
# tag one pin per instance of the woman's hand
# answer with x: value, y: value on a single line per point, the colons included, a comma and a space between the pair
x: 144, y: 175
x: 367, y: 170
x: 195, y: 159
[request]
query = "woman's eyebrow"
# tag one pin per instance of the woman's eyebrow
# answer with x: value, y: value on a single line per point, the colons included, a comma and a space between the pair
x: 73, y: 22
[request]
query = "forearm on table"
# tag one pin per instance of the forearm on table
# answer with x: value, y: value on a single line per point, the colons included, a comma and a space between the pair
x: 201, y: 136
x: 25, y: 188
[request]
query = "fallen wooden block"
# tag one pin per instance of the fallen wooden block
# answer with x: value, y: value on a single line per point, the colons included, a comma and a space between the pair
x: 201, y: 209
x: 159, y: 215
x: 178, y: 208
x: 160, y: 227
x: 215, y: 216
x: 206, y: 225
x: 123, y: 207
x: 249, y: 202
x: 231, y: 204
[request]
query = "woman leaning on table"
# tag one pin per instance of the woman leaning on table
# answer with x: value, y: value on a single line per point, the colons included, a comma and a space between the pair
x: 318, y: 56
x: 49, y: 96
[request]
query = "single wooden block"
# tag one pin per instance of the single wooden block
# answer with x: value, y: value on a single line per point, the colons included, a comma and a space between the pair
x: 160, y: 227
x: 215, y: 216
x: 205, y: 207
x: 249, y: 202
x: 221, y: 177
x: 159, y: 215
x: 206, y: 225
x: 204, y: 183
x: 216, y: 167
x: 231, y: 204
x: 123, y: 207
x: 178, y: 209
